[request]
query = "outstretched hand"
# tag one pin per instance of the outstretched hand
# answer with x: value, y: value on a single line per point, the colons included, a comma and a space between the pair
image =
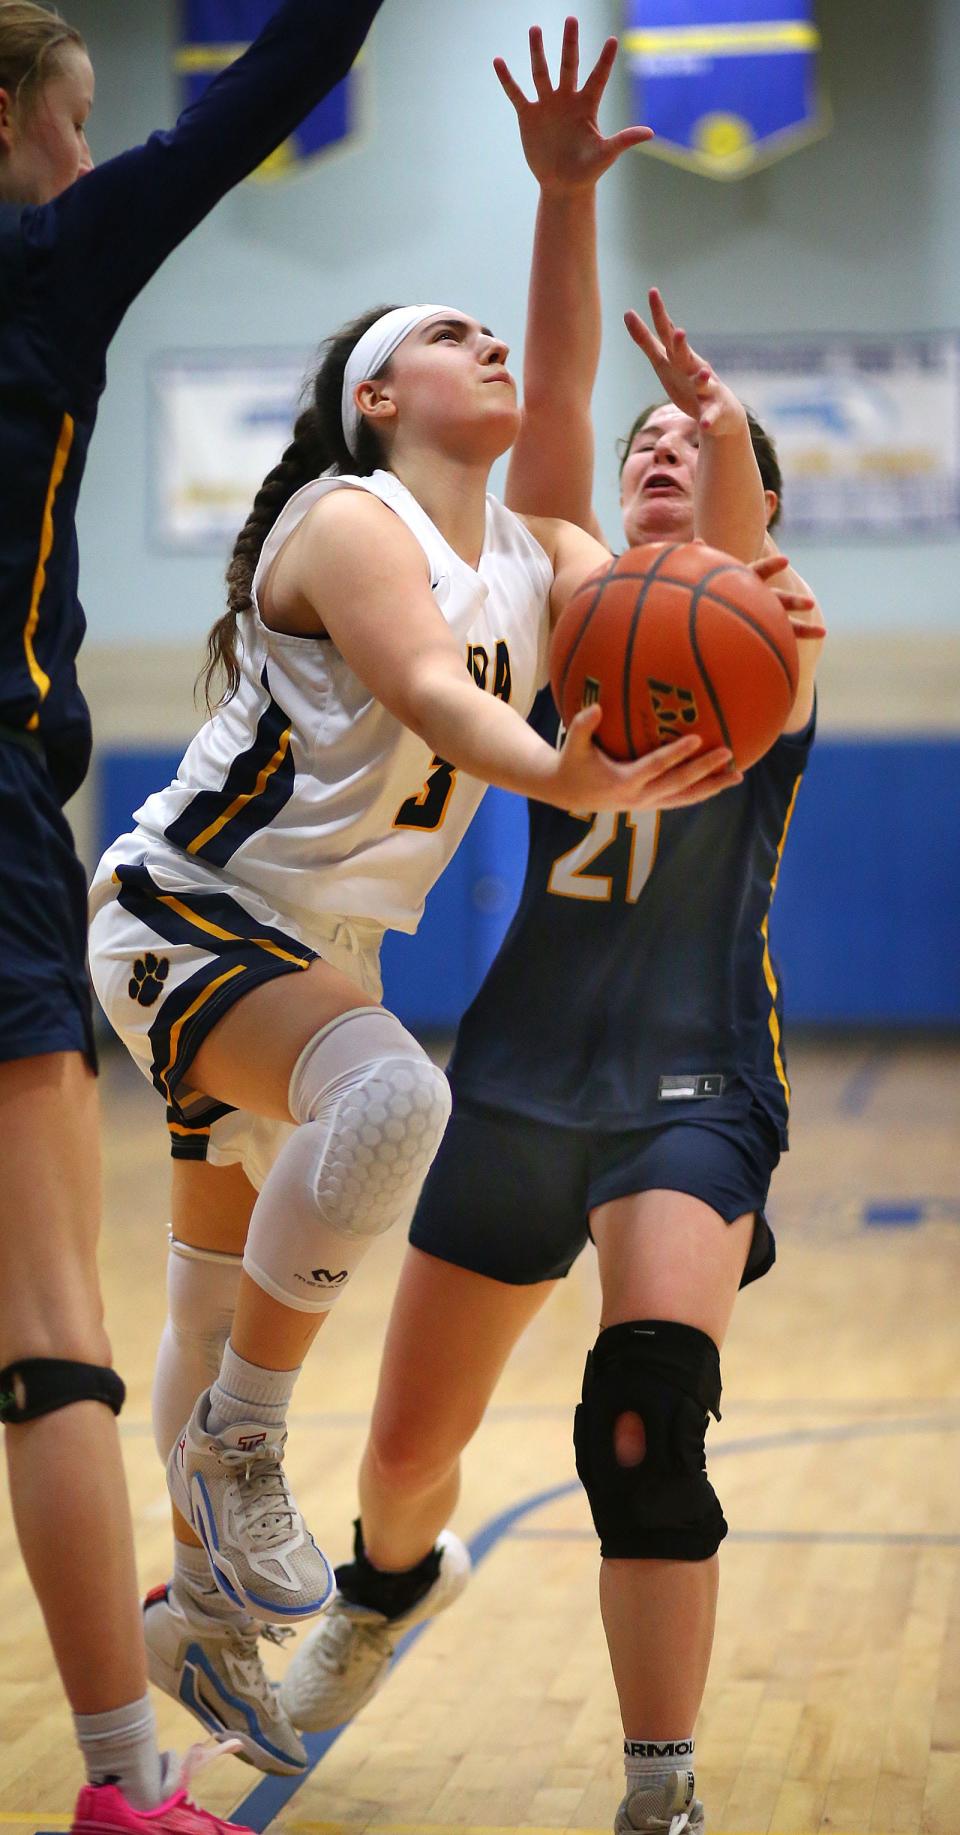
x: 688, y: 380
x: 794, y: 595
x: 562, y: 142
x: 671, y: 777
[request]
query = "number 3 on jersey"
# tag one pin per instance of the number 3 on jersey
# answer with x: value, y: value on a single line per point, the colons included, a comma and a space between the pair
x: 570, y: 875
x: 428, y: 808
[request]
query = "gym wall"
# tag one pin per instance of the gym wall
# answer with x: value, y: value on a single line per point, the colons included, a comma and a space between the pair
x: 859, y: 231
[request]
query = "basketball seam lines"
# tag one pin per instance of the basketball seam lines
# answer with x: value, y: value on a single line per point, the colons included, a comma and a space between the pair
x: 728, y: 605
x: 695, y: 598
x: 601, y: 583
x: 648, y: 579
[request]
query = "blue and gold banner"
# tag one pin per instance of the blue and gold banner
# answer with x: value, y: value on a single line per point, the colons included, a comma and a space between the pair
x: 215, y: 32
x: 728, y: 85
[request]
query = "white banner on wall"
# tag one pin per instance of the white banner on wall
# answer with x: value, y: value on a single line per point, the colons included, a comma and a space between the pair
x: 221, y: 424
x: 867, y: 428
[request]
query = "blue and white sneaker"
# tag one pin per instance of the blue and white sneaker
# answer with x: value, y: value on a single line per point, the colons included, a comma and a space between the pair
x: 212, y: 1666
x: 231, y: 1489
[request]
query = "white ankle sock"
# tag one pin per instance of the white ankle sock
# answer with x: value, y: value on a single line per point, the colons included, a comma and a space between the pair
x: 120, y: 1747
x: 647, y: 1761
x: 245, y: 1392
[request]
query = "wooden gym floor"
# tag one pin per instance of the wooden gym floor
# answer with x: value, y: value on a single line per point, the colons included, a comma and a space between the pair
x: 834, y: 1698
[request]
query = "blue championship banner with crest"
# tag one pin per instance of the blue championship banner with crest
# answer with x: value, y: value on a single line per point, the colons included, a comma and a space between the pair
x: 215, y: 32
x: 727, y: 85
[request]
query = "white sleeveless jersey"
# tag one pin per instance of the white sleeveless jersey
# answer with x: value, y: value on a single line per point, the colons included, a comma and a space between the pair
x: 303, y: 787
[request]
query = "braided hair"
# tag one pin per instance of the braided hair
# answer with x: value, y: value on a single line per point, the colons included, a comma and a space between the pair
x: 318, y: 443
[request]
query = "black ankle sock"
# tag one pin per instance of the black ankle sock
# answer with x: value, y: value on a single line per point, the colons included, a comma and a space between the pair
x: 362, y: 1584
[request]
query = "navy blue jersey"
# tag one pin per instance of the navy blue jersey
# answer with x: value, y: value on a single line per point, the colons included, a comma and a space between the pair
x: 635, y: 985
x: 68, y: 272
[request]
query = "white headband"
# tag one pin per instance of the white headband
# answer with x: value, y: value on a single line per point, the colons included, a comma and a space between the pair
x: 368, y: 357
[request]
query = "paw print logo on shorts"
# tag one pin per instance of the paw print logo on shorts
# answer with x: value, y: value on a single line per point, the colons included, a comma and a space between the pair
x: 146, y: 983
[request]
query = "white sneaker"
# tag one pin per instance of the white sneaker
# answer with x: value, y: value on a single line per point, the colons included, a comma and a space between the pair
x: 232, y: 1491
x: 346, y: 1657
x: 213, y: 1668
x: 662, y: 1807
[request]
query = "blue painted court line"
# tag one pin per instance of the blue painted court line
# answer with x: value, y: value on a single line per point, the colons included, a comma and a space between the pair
x: 269, y: 1797
x: 858, y: 1091
x: 894, y: 1216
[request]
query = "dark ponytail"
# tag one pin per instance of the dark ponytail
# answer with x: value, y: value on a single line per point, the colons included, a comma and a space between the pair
x: 318, y: 443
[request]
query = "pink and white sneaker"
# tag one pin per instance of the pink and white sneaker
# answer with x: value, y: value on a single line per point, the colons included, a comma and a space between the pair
x: 102, y: 1809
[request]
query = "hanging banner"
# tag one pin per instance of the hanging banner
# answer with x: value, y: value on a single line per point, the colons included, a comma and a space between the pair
x: 727, y: 85
x: 867, y: 427
x: 219, y: 424
x: 214, y: 33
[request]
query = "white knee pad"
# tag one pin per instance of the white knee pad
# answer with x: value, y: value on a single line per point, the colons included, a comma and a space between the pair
x: 202, y: 1288
x: 384, y: 1106
x: 372, y: 1108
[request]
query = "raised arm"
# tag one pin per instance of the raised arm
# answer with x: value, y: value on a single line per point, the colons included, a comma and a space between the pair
x: 806, y: 617
x: 109, y: 232
x: 551, y: 466
x: 355, y: 566
x: 728, y: 505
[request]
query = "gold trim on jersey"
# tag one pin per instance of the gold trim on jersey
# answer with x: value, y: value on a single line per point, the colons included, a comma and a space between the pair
x: 768, y: 971
x: 216, y: 930
x: 246, y: 796
x: 178, y: 1024
x: 40, y: 678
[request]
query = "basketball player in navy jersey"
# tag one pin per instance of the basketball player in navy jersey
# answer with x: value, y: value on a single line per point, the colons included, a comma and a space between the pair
x: 621, y: 1074
x: 76, y: 248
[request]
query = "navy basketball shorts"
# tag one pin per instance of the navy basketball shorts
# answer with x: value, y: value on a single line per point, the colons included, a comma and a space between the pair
x: 171, y: 954
x: 510, y: 1197
x: 45, y: 1001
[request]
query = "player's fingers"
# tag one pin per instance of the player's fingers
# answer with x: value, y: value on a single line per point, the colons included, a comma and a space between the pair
x: 569, y: 55
x: 509, y: 85
x: 539, y: 69
x: 649, y: 771
x: 663, y: 323
x: 701, y: 792
x: 627, y: 137
x: 596, y: 82
x: 641, y: 334
x: 801, y: 628
x: 768, y: 565
x: 697, y: 770
x: 583, y: 726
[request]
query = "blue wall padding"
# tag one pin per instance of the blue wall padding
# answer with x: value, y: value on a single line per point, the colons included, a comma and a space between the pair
x: 866, y: 922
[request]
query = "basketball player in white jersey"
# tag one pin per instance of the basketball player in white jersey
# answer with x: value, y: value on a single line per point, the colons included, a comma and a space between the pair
x: 387, y: 632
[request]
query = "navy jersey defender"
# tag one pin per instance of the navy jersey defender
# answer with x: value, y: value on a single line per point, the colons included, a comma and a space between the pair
x: 661, y: 1001
x: 69, y: 269
x: 635, y: 990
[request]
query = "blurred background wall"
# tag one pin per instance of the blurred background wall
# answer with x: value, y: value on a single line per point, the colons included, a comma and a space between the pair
x: 859, y: 231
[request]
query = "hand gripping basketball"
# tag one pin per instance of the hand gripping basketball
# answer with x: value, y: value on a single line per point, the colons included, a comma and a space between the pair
x: 674, y: 639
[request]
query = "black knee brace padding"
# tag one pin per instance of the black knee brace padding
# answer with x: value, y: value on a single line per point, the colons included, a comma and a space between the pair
x: 37, y: 1386
x: 665, y: 1507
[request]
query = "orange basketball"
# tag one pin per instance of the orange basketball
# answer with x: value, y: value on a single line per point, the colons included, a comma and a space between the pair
x: 677, y: 638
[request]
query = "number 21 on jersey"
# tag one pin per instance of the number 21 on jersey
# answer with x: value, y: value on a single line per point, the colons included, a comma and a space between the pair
x: 570, y: 875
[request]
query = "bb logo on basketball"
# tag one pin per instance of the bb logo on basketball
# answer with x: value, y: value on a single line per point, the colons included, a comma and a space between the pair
x: 673, y: 708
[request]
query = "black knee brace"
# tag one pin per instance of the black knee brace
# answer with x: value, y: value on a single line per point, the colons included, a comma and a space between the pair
x: 665, y: 1507
x: 37, y: 1386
